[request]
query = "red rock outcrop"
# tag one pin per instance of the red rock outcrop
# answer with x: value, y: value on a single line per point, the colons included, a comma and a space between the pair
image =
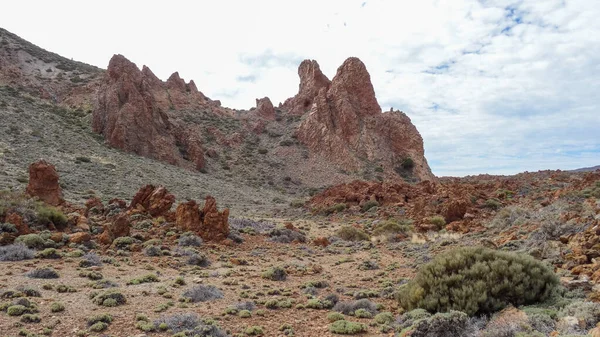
x: 311, y: 82
x: 154, y: 200
x: 119, y: 226
x: 209, y: 223
x: 264, y: 108
x: 188, y: 217
x: 43, y: 183
x: 345, y: 125
x: 131, y: 113
x: 215, y: 224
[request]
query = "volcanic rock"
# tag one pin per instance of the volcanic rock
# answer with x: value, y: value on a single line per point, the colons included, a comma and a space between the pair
x: 264, y: 108
x: 346, y: 126
x: 43, y: 183
x: 131, y: 114
x: 215, y: 224
x: 311, y: 82
x: 209, y: 223
x: 155, y: 200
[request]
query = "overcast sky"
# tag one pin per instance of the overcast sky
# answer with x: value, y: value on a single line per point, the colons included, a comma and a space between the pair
x: 494, y: 87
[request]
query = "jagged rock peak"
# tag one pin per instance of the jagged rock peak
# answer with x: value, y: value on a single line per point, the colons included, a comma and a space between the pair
x: 352, y: 83
x: 311, y: 81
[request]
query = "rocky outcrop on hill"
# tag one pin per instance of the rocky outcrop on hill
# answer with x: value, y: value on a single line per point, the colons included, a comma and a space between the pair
x: 131, y: 113
x: 264, y: 108
x: 345, y: 124
x: 209, y: 223
x: 156, y: 201
x: 43, y: 183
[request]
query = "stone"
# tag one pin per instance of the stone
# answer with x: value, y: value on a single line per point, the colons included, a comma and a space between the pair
x: 265, y: 109
x: 155, y: 200
x: 43, y: 183
x: 80, y: 237
x: 215, y: 224
x: 312, y: 81
x: 188, y: 217
x: 17, y: 220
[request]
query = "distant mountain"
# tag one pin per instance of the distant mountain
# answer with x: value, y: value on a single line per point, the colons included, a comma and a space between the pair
x: 587, y: 169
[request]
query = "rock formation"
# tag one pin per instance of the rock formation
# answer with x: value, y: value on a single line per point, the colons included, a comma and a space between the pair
x: 131, y: 113
x: 311, y: 82
x: 156, y: 201
x: 209, y: 223
x: 43, y: 183
x: 345, y: 123
x: 264, y: 108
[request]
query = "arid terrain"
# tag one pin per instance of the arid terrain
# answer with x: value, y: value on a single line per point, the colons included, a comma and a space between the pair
x: 131, y: 206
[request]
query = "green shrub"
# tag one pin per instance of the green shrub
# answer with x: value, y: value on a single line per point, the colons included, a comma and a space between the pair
x: 254, y: 331
x: 16, y: 310
x: 48, y: 253
x: 33, y: 241
x: 57, y: 307
x: 275, y: 274
x: 106, y: 318
x: 48, y: 214
x: 448, y: 324
x: 478, y: 281
x: 350, y: 233
x: 369, y: 204
x: 335, y: 208
x: 493, y: 204
x: 144, y: 279
x: 110, y: 298
x: 391, y: 227
x: 344, y: 327
x: 335, y: 316
x: 438, y: 221
x: 362, y: 313
x: 30, y: 318
x: 384, y: 318
x: 98, y: 327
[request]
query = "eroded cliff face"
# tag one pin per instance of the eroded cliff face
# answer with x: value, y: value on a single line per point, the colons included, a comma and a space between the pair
x: 131, y: 113
x: 345, y: 124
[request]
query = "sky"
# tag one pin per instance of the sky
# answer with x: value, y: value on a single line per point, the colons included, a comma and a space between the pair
x: 496, y: 87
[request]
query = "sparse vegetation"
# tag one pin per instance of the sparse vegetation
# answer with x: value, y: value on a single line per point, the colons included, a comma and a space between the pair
x: 350, y: 233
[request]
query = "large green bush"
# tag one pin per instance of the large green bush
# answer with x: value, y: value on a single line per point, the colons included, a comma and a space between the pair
x: 478, y: 281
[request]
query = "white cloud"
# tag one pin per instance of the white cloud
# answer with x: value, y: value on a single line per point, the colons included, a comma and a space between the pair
x: 493, y: 86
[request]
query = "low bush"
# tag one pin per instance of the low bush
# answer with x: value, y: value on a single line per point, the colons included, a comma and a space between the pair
x: 16, y: 252
x: 144, y: 279
x: 438, y: 221
x: 478, y: 281
x: 110, y: 298
x: 190, y: 240
x: 48, y: 253
x: 350, y: 233
x: 368, y: 205
x: 197, y: 259
x: 43, y: 273
x: 106, y: 318
x: 449, y: 324
x: 152, y: 251
x: 284, y: 235
x: 188, y: 324
x: 349, y: 308
x: 202, y: 293
x: 57, y: 307
x: 344, y: 327
x: 275, y: 274
x: 89, y: 260
x: 391, y: 227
